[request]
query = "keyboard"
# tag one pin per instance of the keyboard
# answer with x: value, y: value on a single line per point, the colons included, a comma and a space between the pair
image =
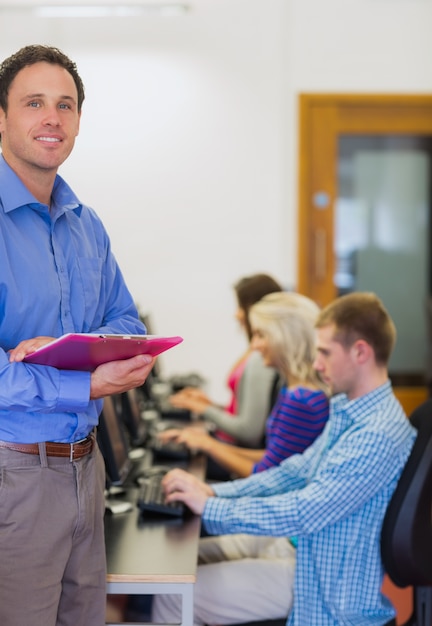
x: 172, y: 450
x: 151, y: 498
x: 168, y: 411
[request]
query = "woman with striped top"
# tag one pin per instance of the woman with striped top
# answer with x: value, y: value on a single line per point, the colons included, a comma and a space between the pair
x: 283, y: 332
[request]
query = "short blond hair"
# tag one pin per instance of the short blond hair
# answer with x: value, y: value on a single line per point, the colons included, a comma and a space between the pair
x: 361, y: 315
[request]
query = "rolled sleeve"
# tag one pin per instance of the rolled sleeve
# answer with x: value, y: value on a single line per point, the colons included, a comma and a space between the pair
x: 74, y: 391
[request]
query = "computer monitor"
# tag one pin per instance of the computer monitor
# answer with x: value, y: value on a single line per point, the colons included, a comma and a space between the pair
x: 156, y: 373
x: 130, y: 413
x: 113, y: 444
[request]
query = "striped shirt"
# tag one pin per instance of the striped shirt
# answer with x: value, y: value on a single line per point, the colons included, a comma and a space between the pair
x: 333, y: 498
x: 297, y: 418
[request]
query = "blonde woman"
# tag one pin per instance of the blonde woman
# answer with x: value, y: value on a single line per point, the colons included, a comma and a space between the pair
x: 283, y: 332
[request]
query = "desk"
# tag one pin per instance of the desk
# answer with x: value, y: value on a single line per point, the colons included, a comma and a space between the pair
x: 154, y: 557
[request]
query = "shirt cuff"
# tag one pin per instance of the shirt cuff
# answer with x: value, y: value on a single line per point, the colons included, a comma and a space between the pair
x: 74, y: 391
x: 214, y: 515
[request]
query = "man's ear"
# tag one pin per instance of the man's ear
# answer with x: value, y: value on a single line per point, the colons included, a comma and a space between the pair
x: 2, y: 118
x: 78, y: 125
x: 363, y: 351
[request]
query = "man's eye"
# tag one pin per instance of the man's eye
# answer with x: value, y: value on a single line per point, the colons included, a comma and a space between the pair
x: 64, y: 106
x: 34, y: 105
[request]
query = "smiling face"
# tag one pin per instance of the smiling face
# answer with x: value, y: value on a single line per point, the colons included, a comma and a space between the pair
x: 38, y: 130
x: 260, y: 342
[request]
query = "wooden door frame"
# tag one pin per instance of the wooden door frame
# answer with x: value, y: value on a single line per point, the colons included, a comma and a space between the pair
x: 351, y: 114
x: 343, y: 113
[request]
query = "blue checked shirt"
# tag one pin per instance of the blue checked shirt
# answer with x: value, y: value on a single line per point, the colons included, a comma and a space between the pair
x: 332, y: 498
x: 57, y: 275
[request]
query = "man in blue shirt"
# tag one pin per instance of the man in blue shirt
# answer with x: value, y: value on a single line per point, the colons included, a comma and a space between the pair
x: 331, y: 498
x: 57, y: 275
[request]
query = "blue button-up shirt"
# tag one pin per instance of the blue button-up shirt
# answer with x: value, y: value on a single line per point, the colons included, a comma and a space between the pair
x: 332, y: 498
x: 57, y: 275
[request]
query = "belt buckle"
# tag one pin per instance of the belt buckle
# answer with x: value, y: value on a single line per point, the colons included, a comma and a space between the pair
x: 71, y: 455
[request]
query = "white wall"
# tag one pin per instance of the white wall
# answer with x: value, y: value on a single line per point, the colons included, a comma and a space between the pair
x: 188, y: 140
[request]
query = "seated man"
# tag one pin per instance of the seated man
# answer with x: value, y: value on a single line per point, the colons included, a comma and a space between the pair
x: 332, y: 498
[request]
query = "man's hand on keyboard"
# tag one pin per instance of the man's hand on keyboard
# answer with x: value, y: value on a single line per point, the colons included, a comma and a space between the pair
x: 184, y: 487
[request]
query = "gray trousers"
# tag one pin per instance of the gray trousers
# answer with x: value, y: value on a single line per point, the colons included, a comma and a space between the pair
x: 240, y: 578
x: 52, y: 564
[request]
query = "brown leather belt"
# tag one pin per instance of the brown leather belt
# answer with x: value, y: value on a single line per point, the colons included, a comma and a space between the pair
x: 72, y: 450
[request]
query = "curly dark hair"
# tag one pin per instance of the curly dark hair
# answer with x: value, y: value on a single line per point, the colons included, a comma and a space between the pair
x: 29, y: 55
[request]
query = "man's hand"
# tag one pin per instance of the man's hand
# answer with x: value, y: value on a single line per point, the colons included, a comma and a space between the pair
x: 118, y: 376
x: 181, y: 486
x: 108, y: 378
x: 27, y: 347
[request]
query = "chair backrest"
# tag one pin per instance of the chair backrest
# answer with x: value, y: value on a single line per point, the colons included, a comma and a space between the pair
x: 277, y: 385
x: 406, y: 537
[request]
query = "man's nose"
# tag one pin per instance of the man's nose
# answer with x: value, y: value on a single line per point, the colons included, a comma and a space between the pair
x: 317, y: 364
x: 52, y: 117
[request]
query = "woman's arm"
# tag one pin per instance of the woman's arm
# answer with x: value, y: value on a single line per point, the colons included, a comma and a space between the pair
x: 255, y: 388
x: 234, y: 459
x: 239, y: 461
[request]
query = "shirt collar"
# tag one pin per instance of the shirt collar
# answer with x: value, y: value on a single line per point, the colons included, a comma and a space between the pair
x: 14, y: 194
x: 359, y: 408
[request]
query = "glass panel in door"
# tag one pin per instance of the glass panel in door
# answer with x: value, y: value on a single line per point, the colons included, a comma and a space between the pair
x: 382, y: 236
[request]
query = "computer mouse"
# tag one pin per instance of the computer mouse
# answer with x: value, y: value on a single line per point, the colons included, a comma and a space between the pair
x: 117, y: 507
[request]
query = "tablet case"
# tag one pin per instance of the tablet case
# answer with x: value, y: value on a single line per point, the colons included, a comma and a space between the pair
x: 85, y: 351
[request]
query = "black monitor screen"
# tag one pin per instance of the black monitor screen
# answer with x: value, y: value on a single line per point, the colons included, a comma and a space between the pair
x: 113, y: 444
x: 130, y: 411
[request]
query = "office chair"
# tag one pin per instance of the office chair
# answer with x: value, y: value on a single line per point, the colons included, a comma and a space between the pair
x: 406, y: 537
